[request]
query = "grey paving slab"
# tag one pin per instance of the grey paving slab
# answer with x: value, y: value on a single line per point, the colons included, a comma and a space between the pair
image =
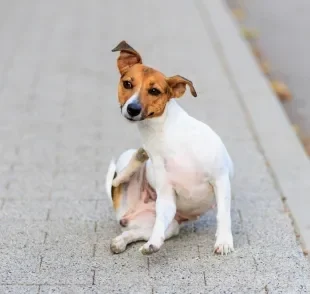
x: 60, y: 126
x: 19, y: 289
x: 19, y: 234
x: 16, y: 210
x: 116, y: 288
x: 65, y: 230
x: 66, y: 268
x: 20, y: 266
x: 78, y: 210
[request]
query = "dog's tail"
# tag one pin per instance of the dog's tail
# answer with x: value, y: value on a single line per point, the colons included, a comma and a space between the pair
x: 115, y: 167
x: 109, y: 178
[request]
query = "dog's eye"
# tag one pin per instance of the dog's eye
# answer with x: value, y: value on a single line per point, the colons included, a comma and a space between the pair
x: 127, y: 85
x: 154, y: 92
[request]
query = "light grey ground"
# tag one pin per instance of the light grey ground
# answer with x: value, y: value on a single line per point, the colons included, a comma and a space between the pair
x: 60, y: 125
x: 283, y: 27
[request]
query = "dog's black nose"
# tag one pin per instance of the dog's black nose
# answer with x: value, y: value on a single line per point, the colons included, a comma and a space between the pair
x: 134, y: 109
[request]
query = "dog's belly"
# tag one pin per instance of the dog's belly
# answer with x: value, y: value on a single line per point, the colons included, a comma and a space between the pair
x: 195, y: 200
x: 195, y: 194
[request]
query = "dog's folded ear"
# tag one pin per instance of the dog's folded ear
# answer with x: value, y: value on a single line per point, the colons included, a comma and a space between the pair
x: 128, y: 56
x: 178, y: 86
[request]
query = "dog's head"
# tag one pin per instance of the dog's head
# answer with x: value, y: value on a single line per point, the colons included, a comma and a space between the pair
x: 143, y: 92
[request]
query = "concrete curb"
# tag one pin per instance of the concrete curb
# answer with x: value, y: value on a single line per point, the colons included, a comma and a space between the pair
x: 284, y: 154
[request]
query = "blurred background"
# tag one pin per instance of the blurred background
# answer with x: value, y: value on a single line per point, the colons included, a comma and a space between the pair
x: 278, y: 32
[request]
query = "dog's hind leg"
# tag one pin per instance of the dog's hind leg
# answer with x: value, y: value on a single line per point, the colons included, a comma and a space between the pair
x: 136, y: 161
x: 120, y: 243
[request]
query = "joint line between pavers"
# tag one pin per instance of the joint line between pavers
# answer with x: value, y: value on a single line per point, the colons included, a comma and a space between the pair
x: 45, y: 237
x: 94, y: 276
x: 40, y: 263
x: 94, y: 250
x: 48, y: 214
x: 148, y: 266
x: 242, y: 224
x: 256, y: 268
x: 198, y: 252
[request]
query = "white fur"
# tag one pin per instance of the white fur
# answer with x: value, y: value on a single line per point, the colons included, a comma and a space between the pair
x: 195, y: 147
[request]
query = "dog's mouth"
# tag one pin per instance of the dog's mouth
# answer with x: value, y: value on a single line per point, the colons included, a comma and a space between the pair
x: 134, y: 119
x: 131, y: 119
x: 140, y: 118
x: 137, y: 118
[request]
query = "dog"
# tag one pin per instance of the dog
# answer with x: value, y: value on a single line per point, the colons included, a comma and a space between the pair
x: 185, y: 168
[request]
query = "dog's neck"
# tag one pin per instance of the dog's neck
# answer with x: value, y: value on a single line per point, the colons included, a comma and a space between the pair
x: 151, y: 129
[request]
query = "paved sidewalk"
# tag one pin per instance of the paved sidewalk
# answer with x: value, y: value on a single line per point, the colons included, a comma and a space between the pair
x: 60, y: 125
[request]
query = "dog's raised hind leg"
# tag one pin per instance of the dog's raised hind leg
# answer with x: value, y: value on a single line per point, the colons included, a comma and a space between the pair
x: 137, y: 160
x: 120, y: 243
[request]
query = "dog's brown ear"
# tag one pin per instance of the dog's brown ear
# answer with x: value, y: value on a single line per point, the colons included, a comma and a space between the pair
x: 178, y: 86
x: 128, y: 56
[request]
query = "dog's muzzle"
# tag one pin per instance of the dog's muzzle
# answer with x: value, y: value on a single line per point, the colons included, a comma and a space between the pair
x: 132, y: 111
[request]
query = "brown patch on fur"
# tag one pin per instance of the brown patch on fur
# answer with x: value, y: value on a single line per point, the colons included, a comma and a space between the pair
x: 127, y: 57
x: 116, y: 195
x: 141, y: 155
x: 178, y: 85
x: 143, y: 79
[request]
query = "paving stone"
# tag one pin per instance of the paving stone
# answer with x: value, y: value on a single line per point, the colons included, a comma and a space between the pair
x: 78, y: 210
x: 27, y: 210
x: 58, y: 268
x: 20, y: 266
x: 19, y: 234
x: 117, y: 288
x: 13, y: 289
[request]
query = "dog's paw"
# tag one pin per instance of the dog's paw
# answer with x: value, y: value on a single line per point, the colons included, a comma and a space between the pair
x: 118, y: 245
x: 148, y: 249
x: 224, y: 244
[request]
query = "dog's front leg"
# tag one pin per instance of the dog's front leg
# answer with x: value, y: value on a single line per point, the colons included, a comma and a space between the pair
x: 224, y: 239
x: 165, y: 212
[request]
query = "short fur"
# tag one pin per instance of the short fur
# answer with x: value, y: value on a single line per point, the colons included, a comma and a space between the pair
x: 188, y: 163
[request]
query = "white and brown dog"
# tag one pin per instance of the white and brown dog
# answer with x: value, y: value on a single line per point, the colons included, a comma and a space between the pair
x: 183, y: 163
